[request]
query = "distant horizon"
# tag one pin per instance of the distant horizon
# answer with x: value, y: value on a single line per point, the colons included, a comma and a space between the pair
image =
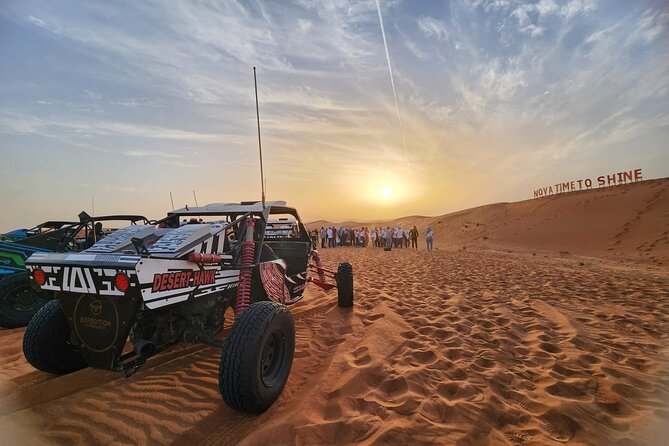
x: 353, y: 220
x: 368, y: 109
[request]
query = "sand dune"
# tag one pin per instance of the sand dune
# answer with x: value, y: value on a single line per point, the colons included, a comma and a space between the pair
x: 621, y: 222
x: 463, y: 347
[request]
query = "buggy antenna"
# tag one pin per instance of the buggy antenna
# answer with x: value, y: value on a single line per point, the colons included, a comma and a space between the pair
x: 172, y: 200
x: 195, y: 198
x: 93, y: 205
x: 262, y: 175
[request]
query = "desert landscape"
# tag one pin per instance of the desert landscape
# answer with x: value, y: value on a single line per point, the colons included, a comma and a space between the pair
x: 540, y: 322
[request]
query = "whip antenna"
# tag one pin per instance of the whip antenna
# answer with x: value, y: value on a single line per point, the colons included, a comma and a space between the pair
x: 262, y: 175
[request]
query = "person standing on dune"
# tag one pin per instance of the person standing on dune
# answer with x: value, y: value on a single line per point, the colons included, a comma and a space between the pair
x: 329, y: 233
x: 428, y: 238
x: 413, y: 234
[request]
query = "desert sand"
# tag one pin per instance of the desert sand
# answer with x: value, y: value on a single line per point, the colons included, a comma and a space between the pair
x: 541, y: 322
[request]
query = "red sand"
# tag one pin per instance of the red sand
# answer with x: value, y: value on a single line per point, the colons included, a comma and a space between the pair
x: 469, y: 347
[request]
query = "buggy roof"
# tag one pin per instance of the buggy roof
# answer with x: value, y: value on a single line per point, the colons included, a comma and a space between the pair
x: 234, y: 208
x: 84, y: 217
x: 56, y: 224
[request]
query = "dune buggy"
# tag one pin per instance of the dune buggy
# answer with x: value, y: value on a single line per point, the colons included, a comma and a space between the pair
x: 147, y: 287
x: 19, y: 301
x: 40, y: 229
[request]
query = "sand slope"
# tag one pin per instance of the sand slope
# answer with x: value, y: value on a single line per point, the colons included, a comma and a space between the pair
x: 473, y: 347
x: 621, y: 222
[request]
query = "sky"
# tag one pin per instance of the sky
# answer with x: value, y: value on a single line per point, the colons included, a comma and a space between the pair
x: 369, y: 109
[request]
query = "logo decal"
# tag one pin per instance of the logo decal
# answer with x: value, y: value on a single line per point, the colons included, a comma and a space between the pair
x: 182, y: 279
x: 96, y: 307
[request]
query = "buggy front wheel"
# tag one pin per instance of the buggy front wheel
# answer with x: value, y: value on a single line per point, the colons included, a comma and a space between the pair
x: 257, y: 357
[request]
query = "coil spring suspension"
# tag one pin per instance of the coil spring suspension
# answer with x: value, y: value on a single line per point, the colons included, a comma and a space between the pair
x: 317, y: 258
x: 245, y: 276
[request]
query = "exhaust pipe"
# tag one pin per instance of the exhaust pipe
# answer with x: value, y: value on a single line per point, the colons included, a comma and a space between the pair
x: 144, y: 348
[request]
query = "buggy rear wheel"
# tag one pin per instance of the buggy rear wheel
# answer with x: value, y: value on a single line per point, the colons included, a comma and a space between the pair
x: 257, y: 357
x: 345, y: 285
x: 46, y: 342
x: 19, y: 301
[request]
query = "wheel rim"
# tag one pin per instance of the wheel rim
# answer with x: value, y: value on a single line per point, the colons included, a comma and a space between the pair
x: 24, y: 299
x: 273, y: 359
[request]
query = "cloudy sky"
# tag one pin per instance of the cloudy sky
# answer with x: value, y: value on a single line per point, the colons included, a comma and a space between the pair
x: 484, y: 101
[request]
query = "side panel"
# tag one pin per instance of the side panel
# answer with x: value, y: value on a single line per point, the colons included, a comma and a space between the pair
x: 166, y: 282
x: 13, y: 256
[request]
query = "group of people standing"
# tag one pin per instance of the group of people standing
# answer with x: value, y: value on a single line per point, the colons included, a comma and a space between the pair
x: 387, y: 237
x: 331, y: 237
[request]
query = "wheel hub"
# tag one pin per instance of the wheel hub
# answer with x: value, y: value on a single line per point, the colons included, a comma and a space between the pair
x: 272, y: 359
x: 25, y: 299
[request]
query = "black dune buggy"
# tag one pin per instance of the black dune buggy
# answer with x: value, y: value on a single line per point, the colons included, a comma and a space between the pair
x: 19, y: 301
x: 157, y: 285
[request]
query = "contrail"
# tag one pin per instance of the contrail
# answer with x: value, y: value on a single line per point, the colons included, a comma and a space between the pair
x: 392, y: 78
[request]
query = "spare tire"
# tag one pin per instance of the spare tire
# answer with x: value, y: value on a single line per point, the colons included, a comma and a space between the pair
x: 345, y: 285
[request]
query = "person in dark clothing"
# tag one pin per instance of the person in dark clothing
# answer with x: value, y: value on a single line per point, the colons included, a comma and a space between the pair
x: 95, y: 235
x: 414, y: 237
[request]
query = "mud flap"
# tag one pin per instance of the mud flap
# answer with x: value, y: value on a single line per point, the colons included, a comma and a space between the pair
x: 100, y: 325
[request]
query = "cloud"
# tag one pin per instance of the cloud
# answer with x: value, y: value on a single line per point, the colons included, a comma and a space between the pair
x: 499, y: 82
x: 432, y: 28
x: 484, y: 86
x: 17, y: 123
x: 577, y: 7
x: 650, y: 26
x: 37, y: 21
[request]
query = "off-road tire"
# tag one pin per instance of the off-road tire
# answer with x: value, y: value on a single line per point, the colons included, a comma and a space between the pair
x: 345, y: 285
x: 46, y: 342
x: 19, y: 301
x: 257, y: 357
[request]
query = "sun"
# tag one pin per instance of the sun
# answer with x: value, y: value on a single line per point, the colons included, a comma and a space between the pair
x: 386, y: 192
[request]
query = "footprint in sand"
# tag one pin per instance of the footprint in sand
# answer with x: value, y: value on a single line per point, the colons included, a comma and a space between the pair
x: 419, y: 357
x: 361, y: 356
x: 568, y: 391
x: 627, y: 391
x: 558, y: 426
x: 437, y: 411
x: 372, y: 318
x: 484, y: 363
x: 454, y: 391
x: 520, y: 437
x: 550, y: 347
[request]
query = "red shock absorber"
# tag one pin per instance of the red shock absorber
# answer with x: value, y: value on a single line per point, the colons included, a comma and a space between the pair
x: 319, y: 265
x: 246, y: 273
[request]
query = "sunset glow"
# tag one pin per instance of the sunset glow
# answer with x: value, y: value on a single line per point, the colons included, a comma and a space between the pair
x: 487, y: 100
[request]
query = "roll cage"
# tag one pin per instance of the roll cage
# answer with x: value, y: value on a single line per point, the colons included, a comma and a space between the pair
x: 235, y: 217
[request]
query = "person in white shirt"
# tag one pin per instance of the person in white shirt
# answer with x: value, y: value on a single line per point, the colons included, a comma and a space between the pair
x: 330, y: 241
x: 428, y: 238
